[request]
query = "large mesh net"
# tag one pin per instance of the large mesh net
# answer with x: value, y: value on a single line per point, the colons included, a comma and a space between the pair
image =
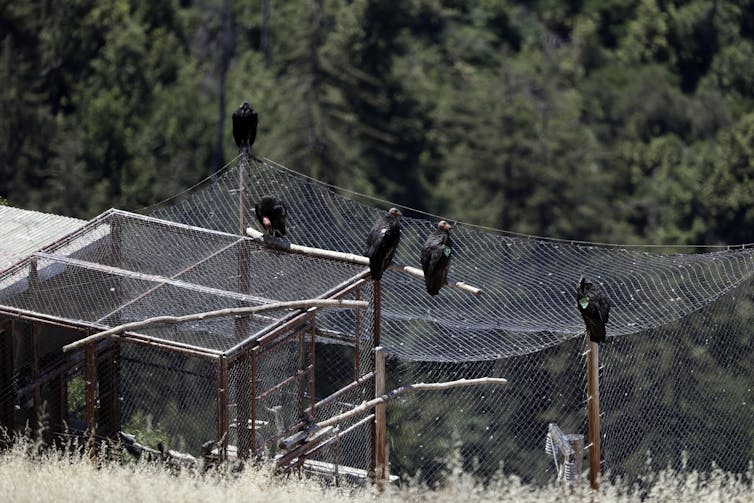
x: 676, y: 370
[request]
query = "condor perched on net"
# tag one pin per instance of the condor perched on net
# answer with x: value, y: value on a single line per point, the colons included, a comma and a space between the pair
x: 594, y: 307
x: 382, y: 242
x: 435, y: 258
x: 271, y: 213
x: 245, y: 121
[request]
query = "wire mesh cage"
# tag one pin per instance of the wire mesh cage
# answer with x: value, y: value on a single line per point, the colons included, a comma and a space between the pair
x: 226, y: 385
x: 676, y: 369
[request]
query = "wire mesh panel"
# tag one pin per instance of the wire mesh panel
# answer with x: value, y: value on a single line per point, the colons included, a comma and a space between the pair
x: 168, y: 397
x: 525, y: 327
x: 676, y: 368
x: 491, y: 426
x: 683, y: 390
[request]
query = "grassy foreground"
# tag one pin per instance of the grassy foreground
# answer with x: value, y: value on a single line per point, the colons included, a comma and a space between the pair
x: 28, y: 476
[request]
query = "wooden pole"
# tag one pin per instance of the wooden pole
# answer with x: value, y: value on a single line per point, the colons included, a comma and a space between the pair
x: 352, y: 258
x: 593, y: 408
x: 380, y: 421
x: 376, y: 328
x: 368, y: 405
x: 231, y: 311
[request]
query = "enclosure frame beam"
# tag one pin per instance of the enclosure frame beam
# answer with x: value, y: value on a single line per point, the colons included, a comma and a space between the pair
x: 222, y: 409
x: 380, y: 421
x: 90, y: 394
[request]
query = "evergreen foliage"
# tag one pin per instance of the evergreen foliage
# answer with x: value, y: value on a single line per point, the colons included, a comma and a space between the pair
x: 627, y: 121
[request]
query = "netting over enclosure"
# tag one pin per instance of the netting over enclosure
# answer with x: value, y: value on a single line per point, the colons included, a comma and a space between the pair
x: 229, y: 382
x: 676, y: 370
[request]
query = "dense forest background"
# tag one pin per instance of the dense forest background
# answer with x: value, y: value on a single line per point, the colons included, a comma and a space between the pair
x: 612, y: 120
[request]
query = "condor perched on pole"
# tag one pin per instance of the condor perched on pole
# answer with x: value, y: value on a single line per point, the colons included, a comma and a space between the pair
x: 271, y: 213
x: 594, y: 307
x: 245, y: 121
x: 382, y: 242
x: 435, y: 258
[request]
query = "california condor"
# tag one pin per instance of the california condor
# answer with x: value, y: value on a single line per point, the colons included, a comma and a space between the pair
x: 245, y: 121
x: 435, y: 257
x: 382, y: 242
x: 271, y: 213
x: 594, y: 307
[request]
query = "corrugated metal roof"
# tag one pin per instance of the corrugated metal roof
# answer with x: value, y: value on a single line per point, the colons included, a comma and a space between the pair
x: 24, y: 231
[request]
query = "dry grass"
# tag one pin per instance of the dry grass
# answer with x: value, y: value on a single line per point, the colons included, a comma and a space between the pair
x: 26, y: 475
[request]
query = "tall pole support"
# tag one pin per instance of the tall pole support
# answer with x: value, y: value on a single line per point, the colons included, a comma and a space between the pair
x: 222, y: 409
x: 241, y: 325
x: 376, y: 315
x: 593, y: 408
x: 90, y: 396
x: 380, y: 421
x: 243, y: 196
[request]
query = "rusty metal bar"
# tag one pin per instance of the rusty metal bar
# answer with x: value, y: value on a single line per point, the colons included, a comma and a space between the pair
x: 301, y: 452
x: 253, y: 393
x: 312, y: 372
x: 59, y: 369
x: 56, y: 321
x: 194, y: 287
x: 160, y: 285
x: 301, y: 369
x: 169, y: 368
x: 357, y: 336
x: 380, y: 449
x: 90, y: 387
x: 35, y: 332
x: 334, y: 293
x: 243, y: 408
x: 292, y: 326
x: 243, y: 200
x: 116, y: 356
x: 360, y: 422
x: 222, y: 409
x: 178, y: 347
x: 7, y: 364
x: 377, y: 300
x: 27, y: 315
x: 344, y: 390
x: 288, y: 380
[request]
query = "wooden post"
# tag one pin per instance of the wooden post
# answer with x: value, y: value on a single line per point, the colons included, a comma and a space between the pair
x: 376, y: 300
x: 593, y: 407
x: 380, y: 437
x: 90, y: 394
x: 243, y: 199
x: 222, y: 409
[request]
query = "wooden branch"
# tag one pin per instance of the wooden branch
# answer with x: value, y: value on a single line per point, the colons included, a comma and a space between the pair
x: 286, y: 245
x: 414, y: 271
x: 367, y: 405
x: 233, y: 311
x: 352, y: 258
